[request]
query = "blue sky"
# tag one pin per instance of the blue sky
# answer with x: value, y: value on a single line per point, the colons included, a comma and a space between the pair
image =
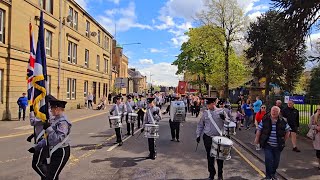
x: 159, y: 25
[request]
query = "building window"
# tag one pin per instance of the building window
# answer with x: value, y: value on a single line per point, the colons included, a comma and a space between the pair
x: 107, y: 43
x: 75, y: 20
x: 105, y: 65
x: 1, y: 84
x: 85, y: 89
x: 98, y: 62
x: 87, y: 28
x: 68, y: 88
x: 99, y: 90
x: 48, y: 35
x: 1, y: 26
x: 71, y: 15
x: 46, y: 5
x: 49, y: 84
x: 105, y: 88
x: 71, y: 88
x: 72, y: 52
x: 86, y: 58
x: 98, y: 37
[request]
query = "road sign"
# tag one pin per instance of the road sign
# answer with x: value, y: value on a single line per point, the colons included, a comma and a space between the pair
x: 121, y: 82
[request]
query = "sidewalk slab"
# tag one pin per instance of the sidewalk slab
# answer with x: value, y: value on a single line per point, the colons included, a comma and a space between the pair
x: 293, y: 165
x: 15, y: 126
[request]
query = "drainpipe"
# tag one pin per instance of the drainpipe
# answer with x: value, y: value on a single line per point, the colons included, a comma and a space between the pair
x: 59, y: 49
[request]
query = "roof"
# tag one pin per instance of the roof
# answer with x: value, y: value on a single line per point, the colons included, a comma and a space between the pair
x: 134, y: 74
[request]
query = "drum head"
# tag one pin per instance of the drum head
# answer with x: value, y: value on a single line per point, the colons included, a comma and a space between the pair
x: 133, y: 114
x: 230, y: 125
x: 224, y: 140
x: 151, y: 125
x: 114, y: 117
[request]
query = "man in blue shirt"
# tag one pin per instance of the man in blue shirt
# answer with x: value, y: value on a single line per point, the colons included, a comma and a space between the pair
x: 22, y: 103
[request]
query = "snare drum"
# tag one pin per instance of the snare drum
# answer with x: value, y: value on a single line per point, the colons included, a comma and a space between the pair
x: 231, y: 127
x: 221, y: 148
x: 151, y: 131
x: 132, y: 117
x: 115, y: 121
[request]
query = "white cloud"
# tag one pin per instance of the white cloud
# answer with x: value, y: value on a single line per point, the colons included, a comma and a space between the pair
x: 261, y: 7
x: 154, y: 50
x: 178, y: 41
x: 121, y: 18
x: 115, y: 1
x: 167, y: 22
x: 247, y: 5
x: 255, y: 15
x: 162, y: 74
x: 146, y: 61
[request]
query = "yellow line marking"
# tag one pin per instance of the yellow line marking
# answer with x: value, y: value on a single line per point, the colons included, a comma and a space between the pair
x: 29, y: 132
x: 87, y: 154
x: 249, y: 162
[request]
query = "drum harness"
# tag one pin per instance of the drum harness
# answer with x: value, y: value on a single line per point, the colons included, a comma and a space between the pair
x: 217, y: 128
x: 117, y: 109
x: 153, y: 122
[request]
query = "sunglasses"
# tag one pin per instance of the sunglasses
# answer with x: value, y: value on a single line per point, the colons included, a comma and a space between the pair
x: 263, y: 107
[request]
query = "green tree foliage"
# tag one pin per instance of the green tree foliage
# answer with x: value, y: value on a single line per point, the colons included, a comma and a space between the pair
x: 201, y: 56
x: 315, y: 82
x: 228, y: 18
x: 271, y: 55
x: 299, y: 16
x: 302, y: 87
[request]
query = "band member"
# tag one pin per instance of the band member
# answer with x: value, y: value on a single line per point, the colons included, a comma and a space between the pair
x: 185, y: 101
x: 197, y: 104
x: 174, y: 125
x: 38, y: 158
x: 141, y: 104
x: 119, y: 109
x: 158, y: 100
x: 152, y: 117
x: 58, y: 131
x: 208, y: 129
x: 130, y: 105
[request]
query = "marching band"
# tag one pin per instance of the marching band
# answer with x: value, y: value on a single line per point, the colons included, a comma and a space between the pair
x: 215, y: 121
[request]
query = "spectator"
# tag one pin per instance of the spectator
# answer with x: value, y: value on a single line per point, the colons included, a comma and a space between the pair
x: 279, y: 104
x: 271, y: 134
x: 256, y: 106
x: 109, y: 98
x: 259, y: 115
x: 90, y: 99
x: 292, y: 116
x: 247, y: 110
x: 315, y: 125
x: 240, y: 116
x: 22, y: 103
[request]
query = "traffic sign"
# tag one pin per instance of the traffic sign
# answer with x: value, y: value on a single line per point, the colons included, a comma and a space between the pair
x: 121, y: 82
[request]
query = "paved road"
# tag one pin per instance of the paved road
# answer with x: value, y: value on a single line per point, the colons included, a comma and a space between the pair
x: 95, y: 157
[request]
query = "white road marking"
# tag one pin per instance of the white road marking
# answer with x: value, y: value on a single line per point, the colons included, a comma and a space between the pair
x: 24, y: 127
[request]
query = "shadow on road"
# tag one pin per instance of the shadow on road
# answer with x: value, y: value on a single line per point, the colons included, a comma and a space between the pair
x: 126, y: 161
x: 307, y: 172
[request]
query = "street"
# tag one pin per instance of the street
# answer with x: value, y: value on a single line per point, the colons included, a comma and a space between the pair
x: 94, y: 155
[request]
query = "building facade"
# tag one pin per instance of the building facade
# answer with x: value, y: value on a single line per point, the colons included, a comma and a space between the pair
x: 78, y: 52
x: 120, y: 68
x: 138, y: 81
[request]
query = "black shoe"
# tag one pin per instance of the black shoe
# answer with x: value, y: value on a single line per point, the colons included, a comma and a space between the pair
x: 120, y: 143
x: 128, y: 134
x: 132, y: 134
x: 239, y: 129
x: 172, y: 140
x: 295, y: 149
x: 220, y: 178
x: 178, y: 140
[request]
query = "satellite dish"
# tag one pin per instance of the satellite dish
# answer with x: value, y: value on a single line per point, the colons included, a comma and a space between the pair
x: 69, y: 18
x: 93, y: 34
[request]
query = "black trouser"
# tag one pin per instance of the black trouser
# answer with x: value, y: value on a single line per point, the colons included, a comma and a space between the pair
x: 90, y: 104
x: 129, y: 125
x: 197, y: 110
x: 192, y: 110
x: 188, y: 107
x: 118, y: 134
x: 175, y: 129
x: 207, y: 140
x: 39, y: 163
x: 140, y: 117
x: 159, y: 105
x: 58, y: 160
x: 23, y: 109
x: 152, y: 147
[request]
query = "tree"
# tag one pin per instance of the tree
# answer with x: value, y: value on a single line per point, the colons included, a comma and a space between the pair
x: 302, y: 87
x: 315, y: 82
x: 228, y: 17
x: 202, y: 57
x: 270, y: 53
x: 298, y: 15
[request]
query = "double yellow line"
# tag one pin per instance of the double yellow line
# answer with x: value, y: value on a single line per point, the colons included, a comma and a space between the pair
x: 29, y: 132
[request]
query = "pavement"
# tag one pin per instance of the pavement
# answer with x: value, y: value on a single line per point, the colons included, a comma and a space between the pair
x: 293, y: 165
x: 94, y: 156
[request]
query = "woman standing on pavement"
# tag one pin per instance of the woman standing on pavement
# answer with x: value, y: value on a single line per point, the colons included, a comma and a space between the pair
x: 247, y: 110
x: 315, y: 124
x: 259, y: 115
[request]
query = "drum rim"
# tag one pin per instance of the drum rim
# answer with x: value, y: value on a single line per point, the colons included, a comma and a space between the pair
x: 225, y: 138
